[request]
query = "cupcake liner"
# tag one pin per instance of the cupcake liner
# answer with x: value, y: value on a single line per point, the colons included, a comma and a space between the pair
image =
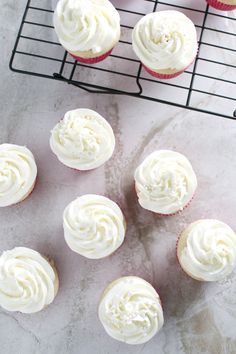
x: 92, y: 60
x: 163, y: 76
x: 167, y: 76
x: 220, y: 5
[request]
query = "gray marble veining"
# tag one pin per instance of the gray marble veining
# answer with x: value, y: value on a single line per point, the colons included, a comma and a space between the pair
x: 198, y: 317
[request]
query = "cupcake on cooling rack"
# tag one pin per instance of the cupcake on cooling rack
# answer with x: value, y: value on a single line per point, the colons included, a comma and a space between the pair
x: 94, y: 226
x: 130, y: 310
x: 165, y: 42
x: 165, y: 182
x: 82, y: 140
x: 87, y: 29
x: 28, y: 282
x: 18, y: 173
x: 223, y: 5
x: 206, y: 250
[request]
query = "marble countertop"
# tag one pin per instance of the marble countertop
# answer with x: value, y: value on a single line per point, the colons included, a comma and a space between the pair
x: 198, y: 317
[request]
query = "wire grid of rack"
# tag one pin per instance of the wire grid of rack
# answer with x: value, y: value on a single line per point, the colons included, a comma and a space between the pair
x: 207, y: 86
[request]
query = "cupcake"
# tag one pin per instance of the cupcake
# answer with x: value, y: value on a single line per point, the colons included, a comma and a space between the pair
x: 18, y: 173
x: 223, y: 5
x: 87, y: 29
x: 165, y: 42
x: 94, y: 226
x: 28, y: 283
x: 165, y: 182
x: 83, y: 140
x: 130, y: 310
x: 206, y: 250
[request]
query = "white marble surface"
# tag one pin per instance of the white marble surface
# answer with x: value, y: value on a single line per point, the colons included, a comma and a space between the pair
x: 198, y: 317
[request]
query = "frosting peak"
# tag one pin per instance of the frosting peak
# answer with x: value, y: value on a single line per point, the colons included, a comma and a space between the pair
x: 165, y: 182
x: 165, y: 40
x: 28, y: 282
x: 94, y: 226
x: 130, y: 310
x: 87, y: 27
x: 207, y: 250
x: 17, y: 173
x: 83, y: 139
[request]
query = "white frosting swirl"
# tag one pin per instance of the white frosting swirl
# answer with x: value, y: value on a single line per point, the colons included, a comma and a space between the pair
x: 83, y: 139
x: 130, y: 310
x: 207, y: 250
x: 28, y: 282
x: 94, y: 226
x: 165, y: 182
x: 165, y: 40
x: 87, y: 28
x: 18, y: 172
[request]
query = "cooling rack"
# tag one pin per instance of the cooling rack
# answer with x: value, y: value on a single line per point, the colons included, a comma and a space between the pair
x: 207, y: 86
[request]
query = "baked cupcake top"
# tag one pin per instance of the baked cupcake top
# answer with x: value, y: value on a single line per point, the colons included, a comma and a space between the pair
x: 18, y: 171
x: 207, y: 250
x: 94, y: 226
x: 165, y: 40
x: 228, y: 2
x: 87, y: 26
x: 165, y: 182
x: 28, y: 282
x: 82, y: 140
x: 130, y: 310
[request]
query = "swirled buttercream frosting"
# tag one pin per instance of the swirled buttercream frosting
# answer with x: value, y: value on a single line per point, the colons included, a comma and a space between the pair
x: 165, y: 40
x: 82, y: 140
x: 87, y: 28
x: 165, y: 182
x: 28, y: 282
x: 94, y: 226
x: 207, y: 250
x: 18, y: 172
x: 130, y: 310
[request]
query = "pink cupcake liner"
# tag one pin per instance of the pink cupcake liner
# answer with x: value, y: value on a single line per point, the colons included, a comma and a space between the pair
x: 163, y: 76
x: 221, y: 6
x: 167, y: 76
x: 92, y: 60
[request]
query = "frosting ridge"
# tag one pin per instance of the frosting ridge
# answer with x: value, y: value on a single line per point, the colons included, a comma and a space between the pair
x: 18, y: 172
x: 165, y: 40
x: 87, y: 27
x: 83, y: 139
x: 94, y: 226
x: 208, y: 250
x: 28, y: 282
x: 165, y: 182
x: 130, y: 310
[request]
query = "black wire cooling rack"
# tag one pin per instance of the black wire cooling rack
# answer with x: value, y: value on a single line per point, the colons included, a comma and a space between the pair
x: 207, y: 86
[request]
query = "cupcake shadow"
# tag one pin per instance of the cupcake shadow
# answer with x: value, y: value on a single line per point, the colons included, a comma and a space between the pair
x: 178, y: 292
x: 158, y: 236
